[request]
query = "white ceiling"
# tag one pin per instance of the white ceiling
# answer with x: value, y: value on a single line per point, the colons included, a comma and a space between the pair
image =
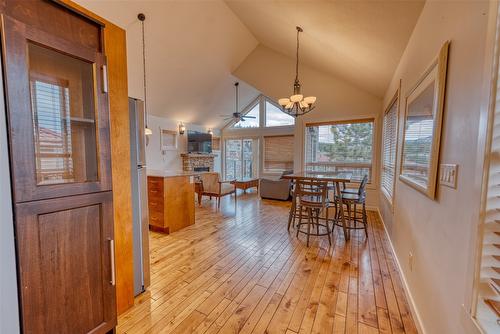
x: 194, y: 46
x: 360, y: 42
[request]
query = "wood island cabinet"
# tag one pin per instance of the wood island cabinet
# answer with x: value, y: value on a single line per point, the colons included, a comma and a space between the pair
x: 171, y: 202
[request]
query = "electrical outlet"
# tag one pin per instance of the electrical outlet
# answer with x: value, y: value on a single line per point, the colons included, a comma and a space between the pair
x: 410, y: 260
x: 448, y: 175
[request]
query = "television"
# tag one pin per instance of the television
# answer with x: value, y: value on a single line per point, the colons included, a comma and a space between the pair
x: 199, y: 142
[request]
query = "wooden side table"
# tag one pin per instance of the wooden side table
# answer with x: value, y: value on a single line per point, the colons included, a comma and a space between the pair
x: 246, y: 183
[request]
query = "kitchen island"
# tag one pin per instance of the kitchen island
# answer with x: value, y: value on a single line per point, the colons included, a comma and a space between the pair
x: 171, y: 200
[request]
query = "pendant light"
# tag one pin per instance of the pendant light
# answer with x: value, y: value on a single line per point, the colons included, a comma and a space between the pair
x: 142, y: 18
x: 297, y: 105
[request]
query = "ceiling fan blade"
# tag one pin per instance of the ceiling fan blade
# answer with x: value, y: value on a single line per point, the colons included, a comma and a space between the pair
x: 248, y: 116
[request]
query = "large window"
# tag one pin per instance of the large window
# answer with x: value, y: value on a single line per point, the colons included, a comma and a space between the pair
x: 340, y: 146
x: 278, y: 153
x: 389, y: 142
x: 276, y: 117
x: 253, y: 119
x: 241, y: 158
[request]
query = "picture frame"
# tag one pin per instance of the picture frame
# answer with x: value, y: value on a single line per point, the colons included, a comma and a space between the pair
x: 422, y: 127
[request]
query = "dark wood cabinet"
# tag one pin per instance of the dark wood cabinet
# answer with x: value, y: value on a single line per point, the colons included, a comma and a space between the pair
x: 66, y: 264
x: 58, y: 121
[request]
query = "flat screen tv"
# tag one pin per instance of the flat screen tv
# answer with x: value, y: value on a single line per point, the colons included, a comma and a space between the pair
x: 199, y: 142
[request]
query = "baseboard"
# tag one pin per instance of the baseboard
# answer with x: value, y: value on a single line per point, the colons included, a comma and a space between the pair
x: 413, y: 308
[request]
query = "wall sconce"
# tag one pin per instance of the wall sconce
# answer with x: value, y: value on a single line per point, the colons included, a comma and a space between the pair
x: 210, y: 132
x: 182, y: 128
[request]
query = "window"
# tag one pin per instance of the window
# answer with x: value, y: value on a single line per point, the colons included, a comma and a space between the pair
x: 389, y: 142
x: 276, y: 117
x: 241, y: 158
x: 252, y: 121
x: 52, y: 131
x: 278, y: 153
x: 340, y: 146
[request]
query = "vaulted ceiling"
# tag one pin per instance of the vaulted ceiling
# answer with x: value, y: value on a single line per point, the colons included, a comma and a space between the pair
x: 360, y: 42
x: 193, y: 47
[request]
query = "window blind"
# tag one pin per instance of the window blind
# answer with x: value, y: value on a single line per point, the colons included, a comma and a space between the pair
x: 488, y: 284
x: 278, y: 153
x: 50, y: 104
x: 389, y: 149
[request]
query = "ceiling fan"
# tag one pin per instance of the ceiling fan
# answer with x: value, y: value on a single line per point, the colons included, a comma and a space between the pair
x: 237, y: 116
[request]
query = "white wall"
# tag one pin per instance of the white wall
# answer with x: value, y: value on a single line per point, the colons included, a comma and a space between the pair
x: 171, y: 160
x: 9, y: 316
x: 273, y: 73
x: 438, y: 232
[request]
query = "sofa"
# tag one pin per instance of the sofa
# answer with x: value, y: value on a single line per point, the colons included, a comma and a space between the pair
x: 279, y: 189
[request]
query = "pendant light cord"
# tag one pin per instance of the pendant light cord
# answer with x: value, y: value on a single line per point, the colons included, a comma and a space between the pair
x: 297, y: 56
x: 236, y: 84
x: 142, y: 18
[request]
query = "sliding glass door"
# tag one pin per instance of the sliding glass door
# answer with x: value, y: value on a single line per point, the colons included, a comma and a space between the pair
x: 241, y: 158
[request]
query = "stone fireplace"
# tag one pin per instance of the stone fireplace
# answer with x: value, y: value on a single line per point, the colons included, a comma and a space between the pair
x: 197, y: 162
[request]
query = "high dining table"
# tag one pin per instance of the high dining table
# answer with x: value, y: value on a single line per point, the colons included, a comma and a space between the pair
x: 336, y: 178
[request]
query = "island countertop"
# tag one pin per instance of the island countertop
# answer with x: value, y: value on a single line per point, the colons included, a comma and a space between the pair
x: 170, y: 173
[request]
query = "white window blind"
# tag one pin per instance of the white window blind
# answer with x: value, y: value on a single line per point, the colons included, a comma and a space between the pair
x: 488, y: 277
x: 278, y: 153
x: 389, y: 149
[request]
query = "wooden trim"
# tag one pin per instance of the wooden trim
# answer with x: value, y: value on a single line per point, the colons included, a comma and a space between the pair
x: 441, y: 61
x: 346, y: 121
x: 77, y: 9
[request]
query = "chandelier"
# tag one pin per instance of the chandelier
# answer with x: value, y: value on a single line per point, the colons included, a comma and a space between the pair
x: 297, y: 105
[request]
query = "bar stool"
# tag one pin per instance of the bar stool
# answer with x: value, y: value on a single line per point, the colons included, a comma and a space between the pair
x: 351, y: 198
x: 311, y: 196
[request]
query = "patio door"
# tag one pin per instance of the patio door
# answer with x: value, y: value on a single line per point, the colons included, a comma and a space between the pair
x: 241, y: 158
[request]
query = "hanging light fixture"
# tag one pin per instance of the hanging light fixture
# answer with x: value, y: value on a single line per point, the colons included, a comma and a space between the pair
x: 142, y: 18
x: 297, y: 105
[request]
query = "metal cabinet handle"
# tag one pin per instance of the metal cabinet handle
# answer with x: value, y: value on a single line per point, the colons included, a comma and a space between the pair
x: 104, y: 78
x: 112, y: 258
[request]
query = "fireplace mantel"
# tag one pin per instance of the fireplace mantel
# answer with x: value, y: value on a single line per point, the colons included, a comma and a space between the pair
x: 190, y: 161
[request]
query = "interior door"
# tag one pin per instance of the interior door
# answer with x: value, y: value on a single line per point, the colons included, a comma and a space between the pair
x: 57, y: 111
x: 65, y: 256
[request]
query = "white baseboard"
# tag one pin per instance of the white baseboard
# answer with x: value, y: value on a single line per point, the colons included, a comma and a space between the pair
x: 413, y: 308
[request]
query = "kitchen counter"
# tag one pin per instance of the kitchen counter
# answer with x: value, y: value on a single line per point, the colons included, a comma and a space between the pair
x: 169, y: 173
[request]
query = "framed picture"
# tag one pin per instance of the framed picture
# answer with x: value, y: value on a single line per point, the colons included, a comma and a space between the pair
x: 168, y: 140
x: 422, y: 127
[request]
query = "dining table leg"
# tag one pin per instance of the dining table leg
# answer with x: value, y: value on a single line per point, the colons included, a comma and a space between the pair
x: 292, y: 208
x: 342, y: 217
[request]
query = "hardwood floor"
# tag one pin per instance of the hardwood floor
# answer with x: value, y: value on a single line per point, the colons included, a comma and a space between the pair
x: 245, y: 273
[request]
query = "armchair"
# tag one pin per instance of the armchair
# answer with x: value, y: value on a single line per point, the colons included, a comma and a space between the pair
x: 276, y: 189
x: 212, y: 186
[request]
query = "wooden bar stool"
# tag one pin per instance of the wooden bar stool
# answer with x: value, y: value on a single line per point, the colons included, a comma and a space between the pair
x: 351, y: 198
x: 312, y: 203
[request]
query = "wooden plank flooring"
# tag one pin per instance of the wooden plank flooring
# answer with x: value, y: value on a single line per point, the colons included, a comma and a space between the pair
x: 244, y: 273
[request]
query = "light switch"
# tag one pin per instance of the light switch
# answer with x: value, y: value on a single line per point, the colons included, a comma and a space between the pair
x: 448, y: 175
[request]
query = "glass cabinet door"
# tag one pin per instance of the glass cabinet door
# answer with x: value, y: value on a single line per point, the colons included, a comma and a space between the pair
x: 58, y: 115
x: 63, y: 109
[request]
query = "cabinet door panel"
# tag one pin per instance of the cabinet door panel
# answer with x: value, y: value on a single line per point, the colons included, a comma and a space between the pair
x: 64, y: 252
x: 58, y: 115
